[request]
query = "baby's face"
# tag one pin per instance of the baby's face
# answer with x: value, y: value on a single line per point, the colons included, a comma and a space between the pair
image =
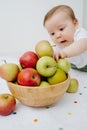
x: 61, y: 28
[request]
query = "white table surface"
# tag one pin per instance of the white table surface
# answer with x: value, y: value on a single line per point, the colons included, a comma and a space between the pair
x: 70, y: 113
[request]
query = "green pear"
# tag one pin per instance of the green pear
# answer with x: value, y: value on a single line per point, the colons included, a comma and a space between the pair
x: 9, y: 71
x: 73, y: 86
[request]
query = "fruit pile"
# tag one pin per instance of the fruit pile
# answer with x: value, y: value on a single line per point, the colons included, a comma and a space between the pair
x: 37, y: 68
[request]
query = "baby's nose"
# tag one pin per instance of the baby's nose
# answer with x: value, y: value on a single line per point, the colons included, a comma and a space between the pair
x: 58, y: 35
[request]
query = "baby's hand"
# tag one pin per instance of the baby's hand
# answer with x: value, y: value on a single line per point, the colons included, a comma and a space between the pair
x: 59, y: 54
x: 56, y: 56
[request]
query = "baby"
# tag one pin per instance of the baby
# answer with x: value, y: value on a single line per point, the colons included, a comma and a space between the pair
x: 69, y: 38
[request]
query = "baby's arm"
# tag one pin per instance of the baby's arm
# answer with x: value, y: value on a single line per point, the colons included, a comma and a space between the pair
x: 73, y: 49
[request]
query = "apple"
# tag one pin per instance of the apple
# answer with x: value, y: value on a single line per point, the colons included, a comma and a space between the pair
x: 44, y: 83
x: 58, y: 77
x: 9, y: 71
x: 20, y: 67
x: 28, y: 77
x: 44, y: 48
x: 46, y: 66
x: 28, y: 59
x: 7, y: 104
x: 73, y: 86
x: 64, y: 64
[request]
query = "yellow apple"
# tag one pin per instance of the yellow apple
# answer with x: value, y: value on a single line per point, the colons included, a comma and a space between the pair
x: 43, y: 48
x: 73, y: 86
x: 58, y: 77
x: 9, y: 71
x: 44, y: 83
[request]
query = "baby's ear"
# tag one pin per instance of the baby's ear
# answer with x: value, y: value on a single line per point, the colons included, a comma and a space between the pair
x: 76, y: 22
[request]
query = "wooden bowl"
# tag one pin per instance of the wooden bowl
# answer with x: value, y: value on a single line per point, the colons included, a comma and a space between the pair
x: 39, y: 96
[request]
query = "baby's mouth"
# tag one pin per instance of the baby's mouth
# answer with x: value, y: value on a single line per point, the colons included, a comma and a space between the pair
x: 64, y: 41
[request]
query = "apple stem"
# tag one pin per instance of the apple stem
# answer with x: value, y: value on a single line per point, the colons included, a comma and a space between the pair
x: 3, y: 60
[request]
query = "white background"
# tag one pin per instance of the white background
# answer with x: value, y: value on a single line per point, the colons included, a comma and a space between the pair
x: 21, y: 23
x: 20, y: 29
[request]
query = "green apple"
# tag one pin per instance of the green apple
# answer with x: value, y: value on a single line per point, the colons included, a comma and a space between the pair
x: 44, y: 83
x: 9, y: 71
x: 44, y: 48
x: 46, y: 66
x: 73, y: 86
x: 64, y: 64
x: 58, y: 77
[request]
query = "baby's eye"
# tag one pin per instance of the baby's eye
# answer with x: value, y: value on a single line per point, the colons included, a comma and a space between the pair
x: 61, y: 29
x: 52, y: 33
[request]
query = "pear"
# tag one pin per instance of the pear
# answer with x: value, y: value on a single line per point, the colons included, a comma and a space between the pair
x: 9, y: 71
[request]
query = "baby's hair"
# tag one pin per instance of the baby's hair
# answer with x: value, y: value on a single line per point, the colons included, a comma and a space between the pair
x: 59, y: 8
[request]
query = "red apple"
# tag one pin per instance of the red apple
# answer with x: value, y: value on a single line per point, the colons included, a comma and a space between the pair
x: 28, y: 77
x: 7, y: 104
x: 28, y: 59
